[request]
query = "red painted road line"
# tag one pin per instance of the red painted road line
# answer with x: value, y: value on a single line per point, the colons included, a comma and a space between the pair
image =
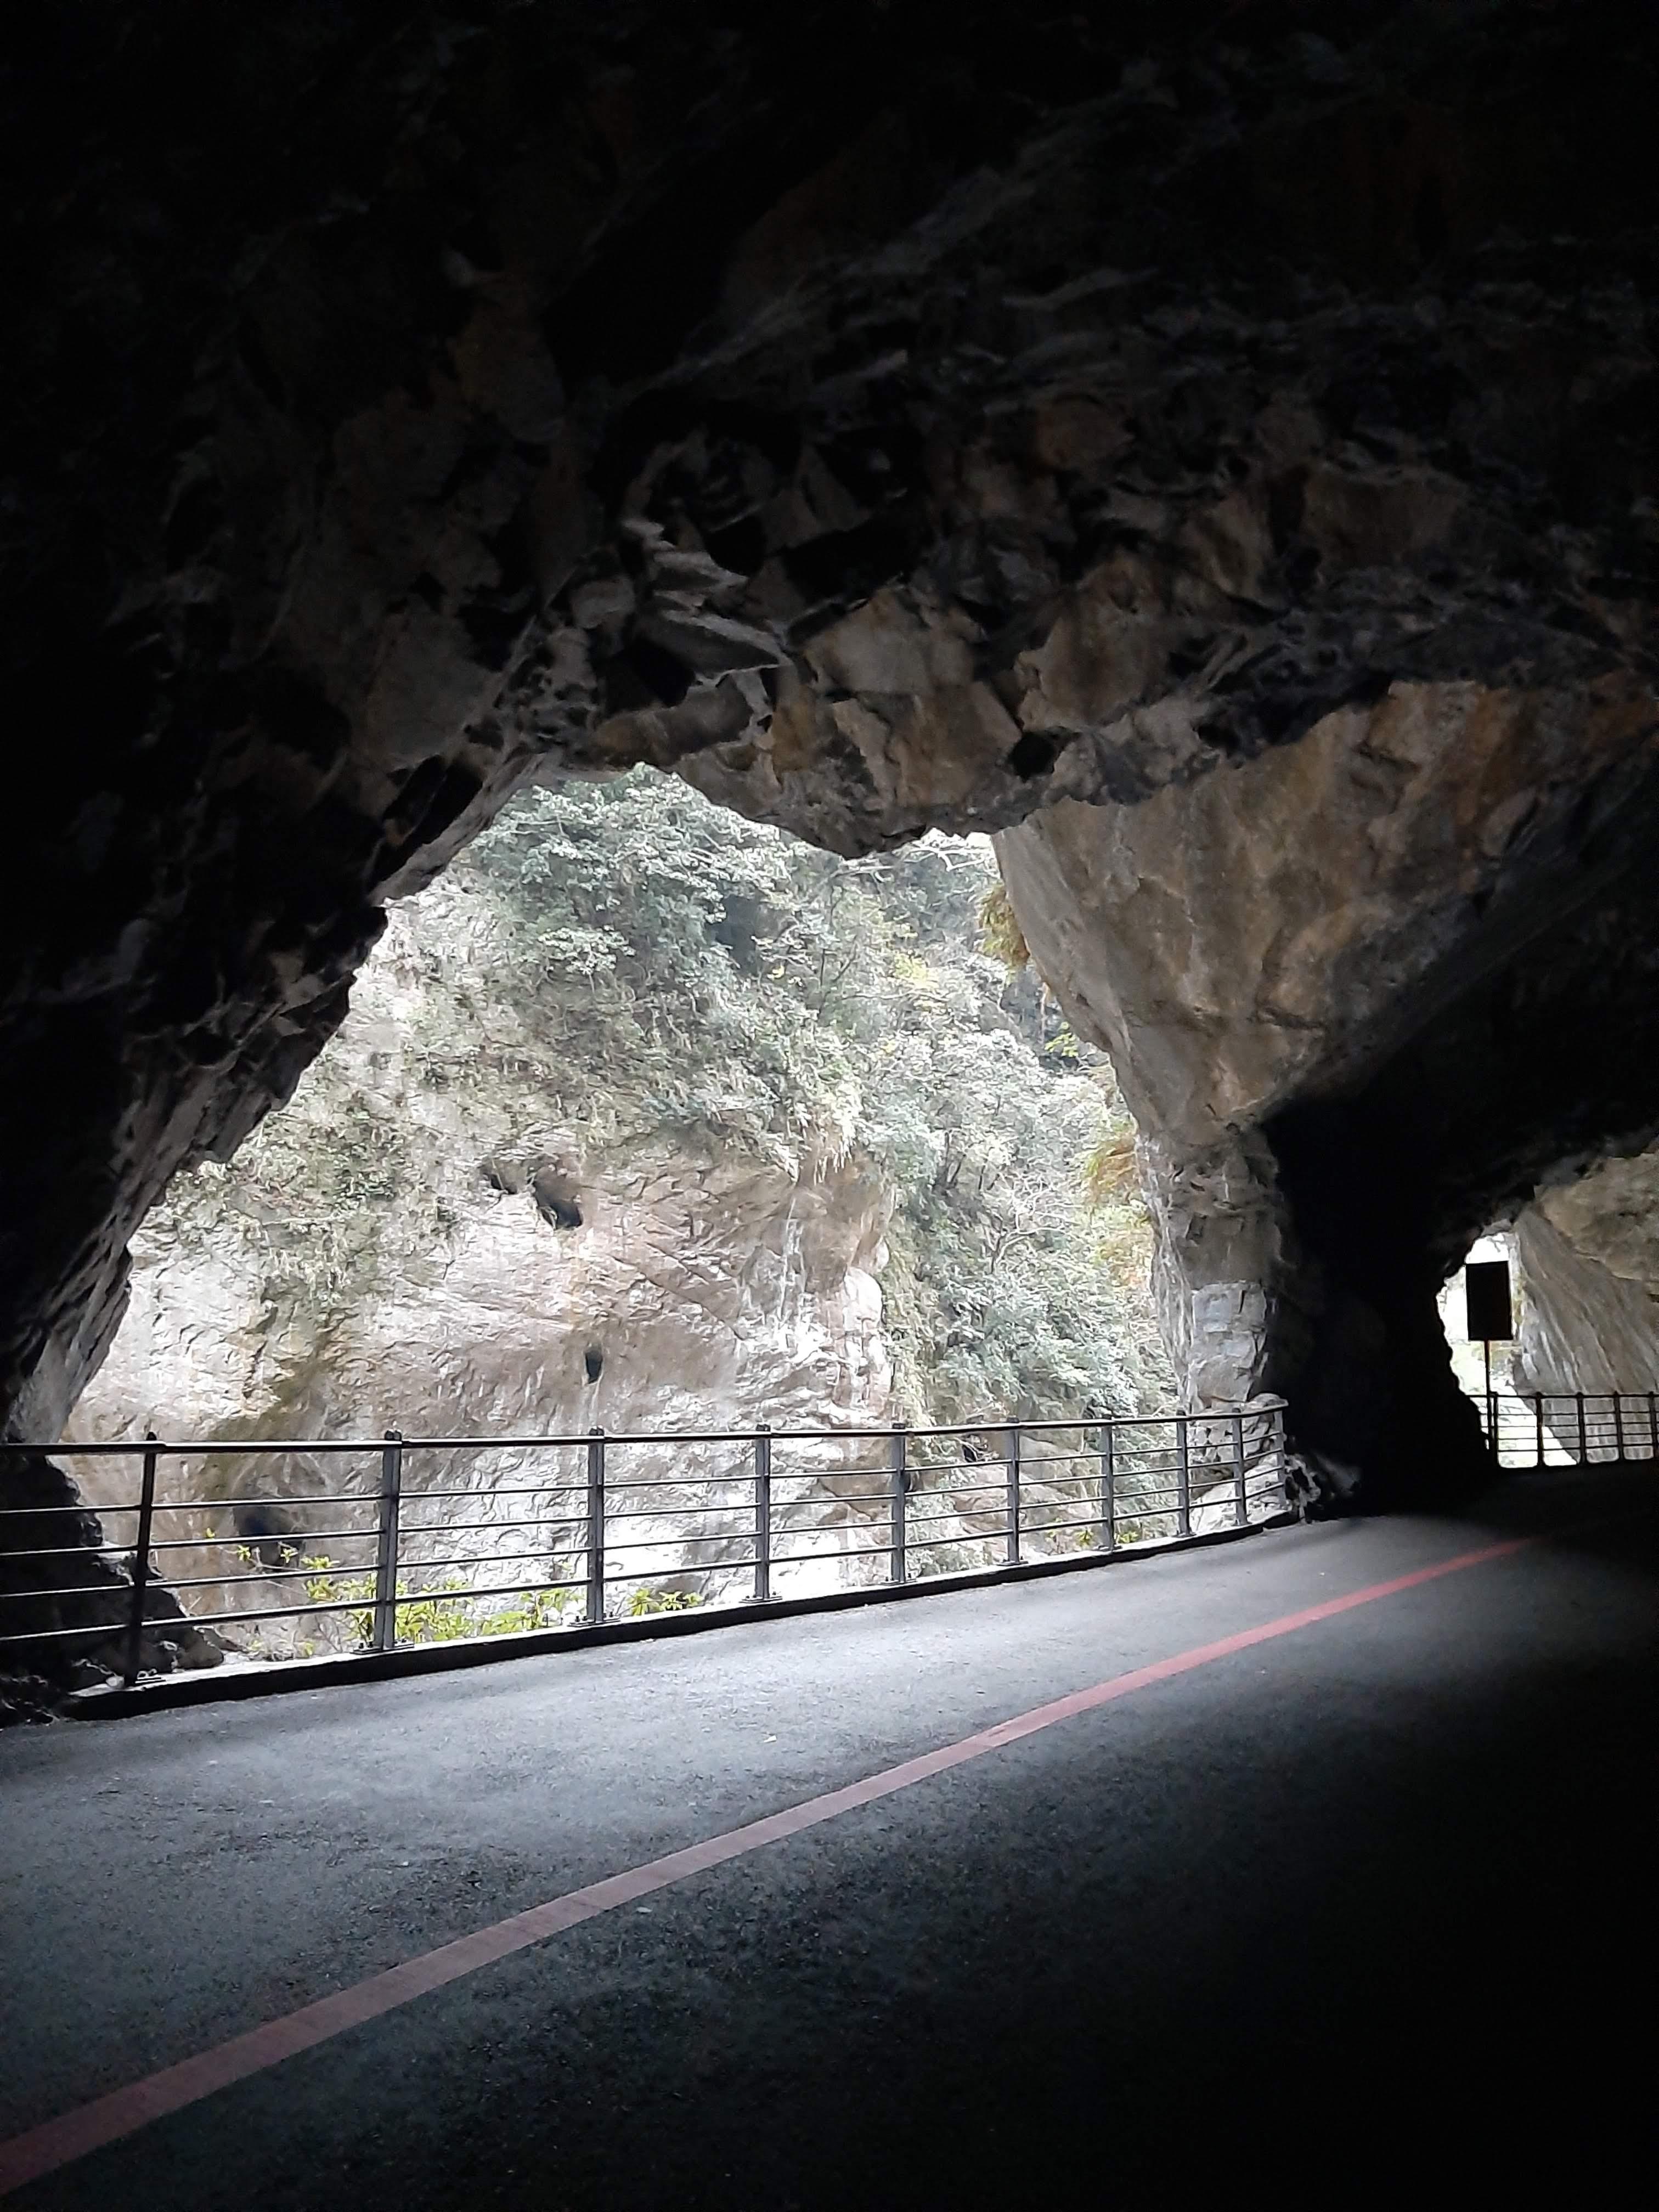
x: 59, y: 2142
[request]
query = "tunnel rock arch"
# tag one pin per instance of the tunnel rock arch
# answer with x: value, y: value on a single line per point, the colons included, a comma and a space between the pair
x: 1167, y: 423
x: 1366, y: 992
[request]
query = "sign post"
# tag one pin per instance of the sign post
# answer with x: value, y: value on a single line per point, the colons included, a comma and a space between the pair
x: 1488, y: 1318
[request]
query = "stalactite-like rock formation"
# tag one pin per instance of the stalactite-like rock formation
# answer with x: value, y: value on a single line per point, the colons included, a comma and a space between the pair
x: 1217, y: 438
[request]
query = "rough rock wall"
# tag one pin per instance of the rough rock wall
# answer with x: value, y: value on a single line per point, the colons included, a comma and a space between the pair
x: 1366, y: 989
x: 693, y: 1284
x: 1008, y: 407
x: 1589, y: 1259
x: 691, y: 1287
x: 455, y: 1264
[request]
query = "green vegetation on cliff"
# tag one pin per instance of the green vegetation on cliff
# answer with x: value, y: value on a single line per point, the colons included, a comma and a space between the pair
x: 629, y: 964
x: 702, y: 973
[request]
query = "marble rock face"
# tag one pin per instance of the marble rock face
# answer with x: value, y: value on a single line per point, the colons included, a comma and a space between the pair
x: 1588, y: 1251
x: 1217, y: 453
x: 689, y: 1291
x: 1366, y: 990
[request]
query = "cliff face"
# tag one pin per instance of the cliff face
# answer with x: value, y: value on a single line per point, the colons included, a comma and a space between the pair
x: 1364, y: 991
x: 1023, y: 414
x: 625, y: 1116
x: 434, y: 1256
x: 1589, y: 1255
x: 691, y: 1287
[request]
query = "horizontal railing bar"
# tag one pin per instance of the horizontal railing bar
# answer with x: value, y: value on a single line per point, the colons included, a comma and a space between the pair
x: 941, y: 1521
x: 179, y: 1447
x: 460, y: 1528
x: 228, y: 1505
x: 847, y: 1497
x: 483, y: 1558
x: 12, y: 1597
x: 299, y: 1612
x: 459, y: 1559
x: 195, y: 1505
x: 491, y: 1590
x: 744, y: 1479
x: 739, y: 1504
x: 34, y: 1512
x: 1063, y: 1527
x: 264, y: 1575
x: 252, y: 1543
x: 105, y: 1553
x: 266, y: 1446
x: 52, y: 1635
x: 797, y: 1516
x: 952, y: 1496
x: 1126, y: 1471
x: 419, y: 1491
x: 839, y: 1551
x: 686, y: 1567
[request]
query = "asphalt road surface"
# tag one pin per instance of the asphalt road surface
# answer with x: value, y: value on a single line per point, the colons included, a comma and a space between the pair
x: 1361, y: 1905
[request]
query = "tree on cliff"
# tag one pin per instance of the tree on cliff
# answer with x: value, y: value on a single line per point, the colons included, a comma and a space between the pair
x: 626, y: 961
x: 702, y: 972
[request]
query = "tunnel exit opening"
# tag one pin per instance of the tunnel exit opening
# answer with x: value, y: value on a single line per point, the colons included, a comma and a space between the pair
x: 641, y: 1092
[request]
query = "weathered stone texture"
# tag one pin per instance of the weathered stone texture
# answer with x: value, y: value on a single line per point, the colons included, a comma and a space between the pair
x: 1588, y: 1253
x: 1006, y: 416
x: 691, y: 1287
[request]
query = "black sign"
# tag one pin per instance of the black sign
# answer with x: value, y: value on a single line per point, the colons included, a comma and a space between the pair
x: 1487, y: 1298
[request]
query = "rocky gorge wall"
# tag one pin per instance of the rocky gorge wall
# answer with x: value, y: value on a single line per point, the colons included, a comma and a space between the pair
x: 692, y: 1288
x: 451, y: 1264
x: 1589, y: 1256
x: 1015, y: 420
x: 1354, y: 991
x: 604, y: 1142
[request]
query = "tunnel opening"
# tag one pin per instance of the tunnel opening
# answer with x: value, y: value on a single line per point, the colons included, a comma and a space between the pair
x: 1536, y: 1069
x: 816, y: 1143
x: 478, y: 488
x: 981, y: 514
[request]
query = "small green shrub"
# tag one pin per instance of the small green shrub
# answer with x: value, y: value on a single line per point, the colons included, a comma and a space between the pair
x: 646, y: 1600
x: 538, y: 1610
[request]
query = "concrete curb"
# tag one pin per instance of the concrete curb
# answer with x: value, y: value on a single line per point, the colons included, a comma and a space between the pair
x: 279, y: 1677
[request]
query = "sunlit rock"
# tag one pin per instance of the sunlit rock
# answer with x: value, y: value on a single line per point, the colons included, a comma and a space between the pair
x: 1097, y: 413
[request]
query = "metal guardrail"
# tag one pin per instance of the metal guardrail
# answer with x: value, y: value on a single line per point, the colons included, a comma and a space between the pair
x: 1580, y: 1429
x: 600, y: 1539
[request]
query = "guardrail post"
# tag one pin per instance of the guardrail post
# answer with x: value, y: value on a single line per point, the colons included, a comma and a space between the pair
x: 596, y: 1525
x: 898, y: 1563
x: 1183, y: 1479
x: 1013, y: 1494
x: 1538, y: 1426
x: 1618, y: 1427
x: 1583, y: 1441
x: 1108, y: 1487
x: 140, y: 1562
x: 385, y: 1564
x: 763, y: 1514
x: 1241, y: 1502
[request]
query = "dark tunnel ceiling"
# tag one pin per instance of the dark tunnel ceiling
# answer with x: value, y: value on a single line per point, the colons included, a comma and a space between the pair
x: 893, y: 416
